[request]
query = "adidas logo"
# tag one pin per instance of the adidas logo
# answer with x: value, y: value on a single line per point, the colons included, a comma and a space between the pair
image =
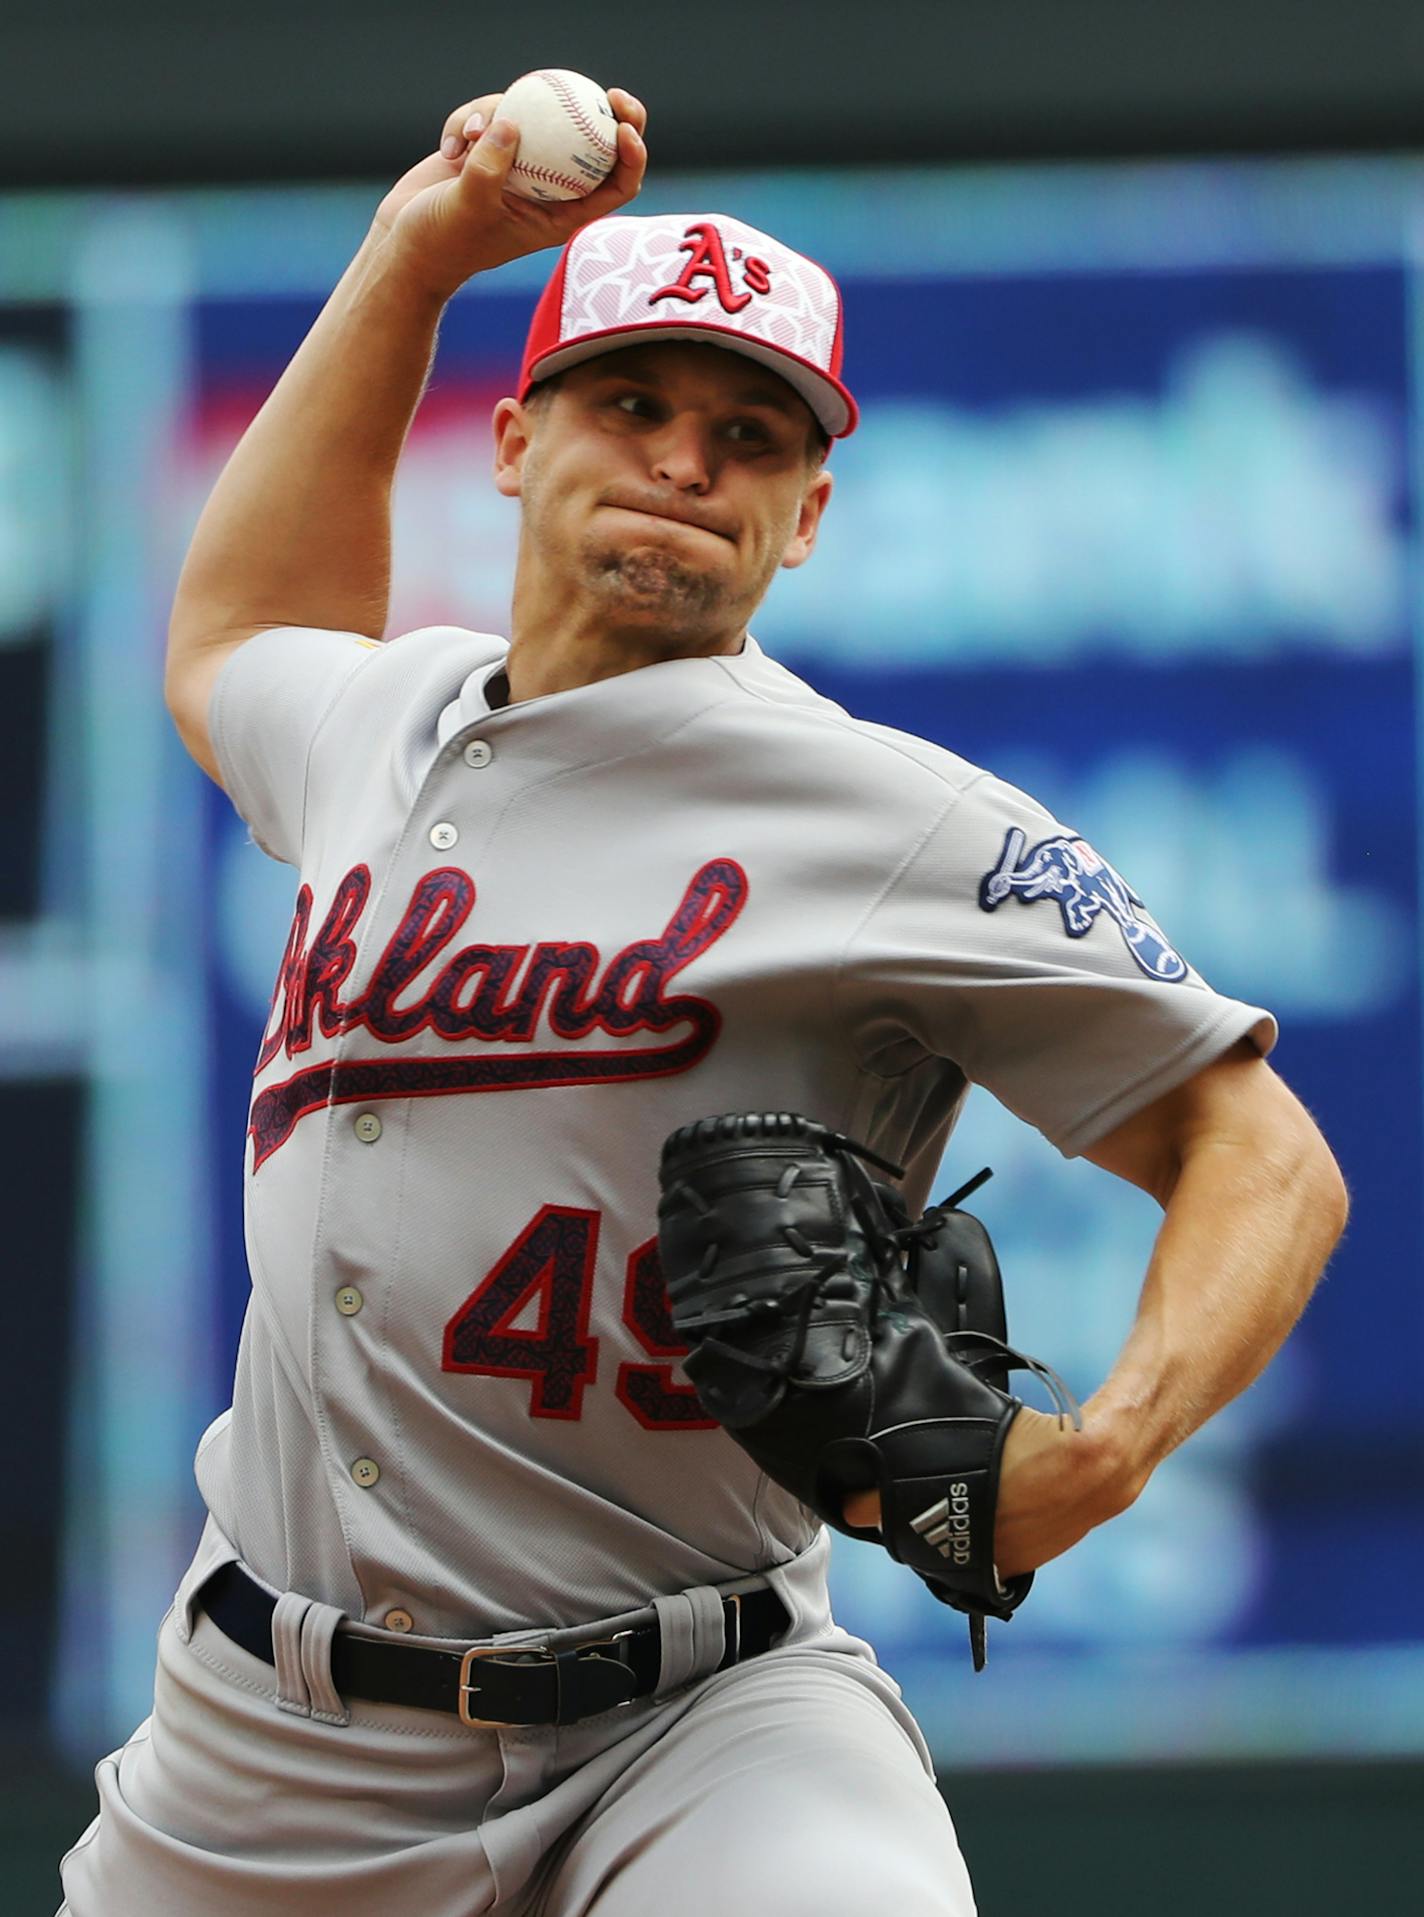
x: 946, y: 1526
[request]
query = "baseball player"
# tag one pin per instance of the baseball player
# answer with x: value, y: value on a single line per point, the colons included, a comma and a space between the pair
x: 488, y: 1613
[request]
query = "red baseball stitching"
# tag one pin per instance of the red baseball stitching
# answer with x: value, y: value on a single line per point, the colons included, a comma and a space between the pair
x: 570, y: 103
x: 542, y: 173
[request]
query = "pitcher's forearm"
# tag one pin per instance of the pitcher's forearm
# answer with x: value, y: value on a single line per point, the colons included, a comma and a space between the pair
x: 297, y: 529
x: 1253, y: 1214
x: 1244, y: 1241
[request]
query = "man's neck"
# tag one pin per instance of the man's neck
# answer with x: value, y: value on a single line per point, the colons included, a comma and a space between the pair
x: 561, y: 650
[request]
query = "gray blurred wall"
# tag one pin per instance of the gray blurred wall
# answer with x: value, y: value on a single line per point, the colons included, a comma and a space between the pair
x: 154, y: 90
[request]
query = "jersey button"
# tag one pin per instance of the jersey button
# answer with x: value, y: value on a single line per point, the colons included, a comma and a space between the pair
x: 367, y: 1128
x: 349, y: 1301
x: 366, y: 1472
x: 477, y: 753
x: 399, y: 1620
x: 444, y: 835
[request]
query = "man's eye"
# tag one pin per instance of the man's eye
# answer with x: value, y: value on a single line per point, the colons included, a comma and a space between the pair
x: 636, y: 403
x: 749, y: 431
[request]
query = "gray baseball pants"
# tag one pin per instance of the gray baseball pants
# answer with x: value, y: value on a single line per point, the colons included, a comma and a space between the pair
x: 796, y: 1783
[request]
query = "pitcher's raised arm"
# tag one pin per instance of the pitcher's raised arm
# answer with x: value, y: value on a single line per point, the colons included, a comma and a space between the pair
x: 297, y: 531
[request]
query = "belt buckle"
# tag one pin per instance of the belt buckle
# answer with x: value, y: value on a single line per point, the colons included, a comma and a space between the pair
x: 504, y: 1654
x: 520, y: 1654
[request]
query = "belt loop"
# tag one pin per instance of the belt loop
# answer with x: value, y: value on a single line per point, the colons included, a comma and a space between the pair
x: 318, y: 1630
x: 287, y: 1619
x: 302, y: 1632
x: 692, y: 1629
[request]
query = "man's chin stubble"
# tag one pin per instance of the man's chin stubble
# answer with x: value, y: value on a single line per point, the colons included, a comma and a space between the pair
x: 655, y: 583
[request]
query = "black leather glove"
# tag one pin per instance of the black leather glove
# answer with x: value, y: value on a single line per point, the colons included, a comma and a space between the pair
x: 843, y: 1346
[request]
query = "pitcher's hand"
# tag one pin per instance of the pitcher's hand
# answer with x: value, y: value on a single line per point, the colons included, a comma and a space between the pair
x: 1055, y: 1485
x: 450, y: 216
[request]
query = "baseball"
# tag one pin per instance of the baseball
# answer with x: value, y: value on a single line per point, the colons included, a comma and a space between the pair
x: 568, y: 135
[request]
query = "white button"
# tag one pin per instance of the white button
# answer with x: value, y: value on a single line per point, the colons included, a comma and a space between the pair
x: 399, y: 1620
x: 477, y: 753
x: 443, y: 836
x: 365, y: 1471
x: 349, y: 1301
x: 367, y: 1128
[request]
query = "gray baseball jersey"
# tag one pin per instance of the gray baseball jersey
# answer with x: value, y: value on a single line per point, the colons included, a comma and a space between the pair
x: 528, y: 942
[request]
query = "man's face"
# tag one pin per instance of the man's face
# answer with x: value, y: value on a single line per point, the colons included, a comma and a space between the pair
x: 665, y: 484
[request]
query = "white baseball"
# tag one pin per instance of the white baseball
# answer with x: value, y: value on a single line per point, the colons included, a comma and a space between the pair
x: 568, y: 135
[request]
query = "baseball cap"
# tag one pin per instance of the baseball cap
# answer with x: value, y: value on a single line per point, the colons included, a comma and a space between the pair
x: 694, y: 276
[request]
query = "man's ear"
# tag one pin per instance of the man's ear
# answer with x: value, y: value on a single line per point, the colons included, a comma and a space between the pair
x: 513, y: 429
x: 813, y: 503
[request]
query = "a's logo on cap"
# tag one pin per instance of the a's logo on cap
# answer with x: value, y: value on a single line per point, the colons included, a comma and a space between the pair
x: 707, y: 260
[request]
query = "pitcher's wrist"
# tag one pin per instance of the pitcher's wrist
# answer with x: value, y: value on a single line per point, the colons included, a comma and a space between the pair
x: 1119, y: 1455
x: 389, y: 273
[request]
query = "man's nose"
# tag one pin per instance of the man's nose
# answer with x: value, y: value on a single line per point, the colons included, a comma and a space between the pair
x: 680, y: 456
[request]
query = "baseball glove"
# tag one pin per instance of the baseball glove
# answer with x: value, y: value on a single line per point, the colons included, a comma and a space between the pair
x: 845, y: 1347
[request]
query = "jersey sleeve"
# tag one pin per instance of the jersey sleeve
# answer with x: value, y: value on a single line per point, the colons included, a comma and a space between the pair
x: 1007, y: 944
x: 271, y: 699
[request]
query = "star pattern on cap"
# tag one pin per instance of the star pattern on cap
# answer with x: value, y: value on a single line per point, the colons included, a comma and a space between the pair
x: 615, y: 266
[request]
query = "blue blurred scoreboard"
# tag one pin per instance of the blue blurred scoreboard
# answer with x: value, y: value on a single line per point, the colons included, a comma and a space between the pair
x: 1132, y: 520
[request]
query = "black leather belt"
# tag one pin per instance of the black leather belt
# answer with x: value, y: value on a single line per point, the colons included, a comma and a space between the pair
x: 497, y: 1684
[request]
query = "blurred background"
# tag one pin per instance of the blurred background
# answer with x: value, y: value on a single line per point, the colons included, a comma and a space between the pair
x: 1134, y: 317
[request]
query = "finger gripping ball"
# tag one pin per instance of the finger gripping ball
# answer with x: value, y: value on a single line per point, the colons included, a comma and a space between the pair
x: 568, y: 135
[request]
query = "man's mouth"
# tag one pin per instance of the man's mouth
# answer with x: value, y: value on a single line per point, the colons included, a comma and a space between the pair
x: 671, y: 519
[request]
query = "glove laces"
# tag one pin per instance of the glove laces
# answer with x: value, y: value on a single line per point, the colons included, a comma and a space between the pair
x: 1065, y: 1405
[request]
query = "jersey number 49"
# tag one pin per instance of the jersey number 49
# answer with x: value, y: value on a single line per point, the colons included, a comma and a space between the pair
x: 545, y: 1279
